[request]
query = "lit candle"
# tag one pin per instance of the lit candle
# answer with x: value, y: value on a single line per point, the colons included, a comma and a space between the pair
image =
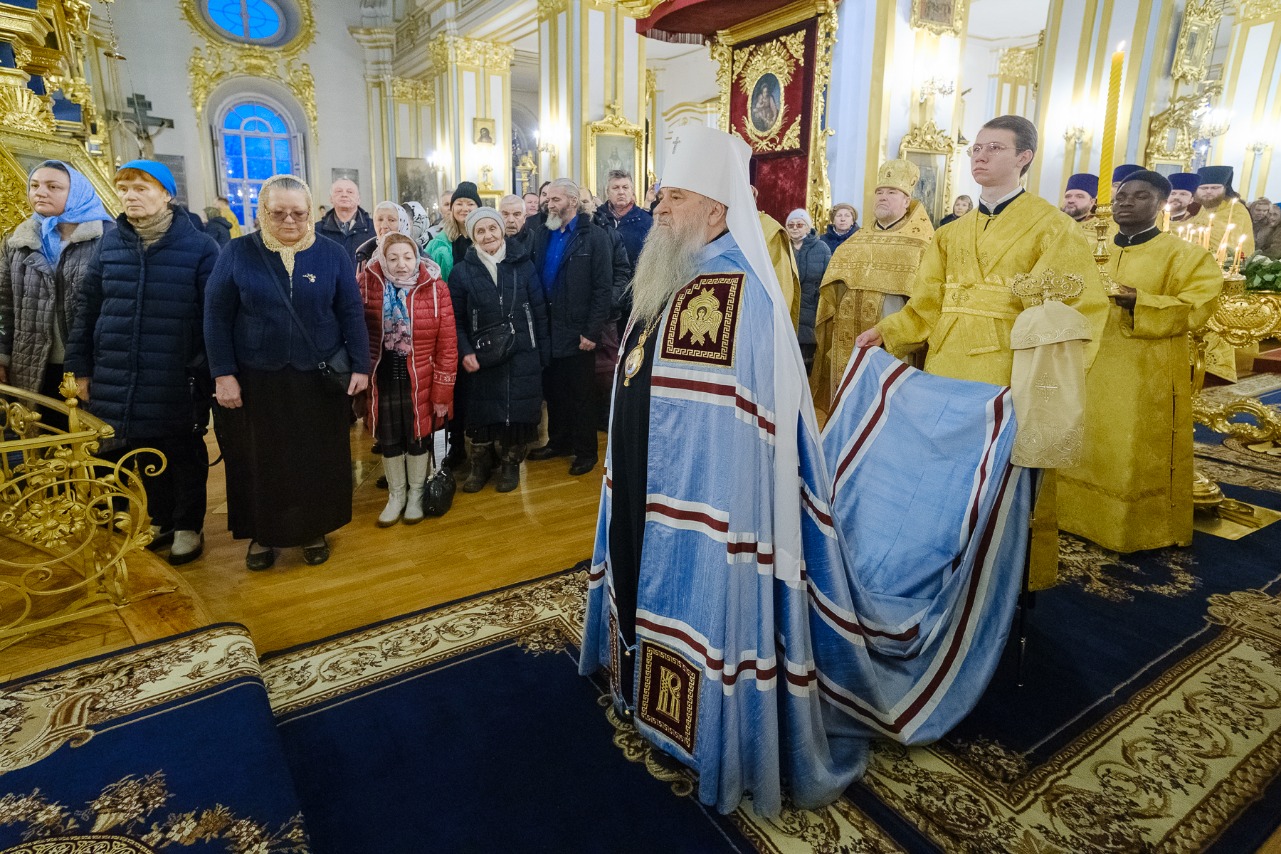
x: 1222, y: 254
x: 1165, y: 218
x: 1109, y: 127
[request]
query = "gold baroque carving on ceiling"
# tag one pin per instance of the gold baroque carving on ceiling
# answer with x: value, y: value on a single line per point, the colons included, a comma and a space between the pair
x: 213, y: 64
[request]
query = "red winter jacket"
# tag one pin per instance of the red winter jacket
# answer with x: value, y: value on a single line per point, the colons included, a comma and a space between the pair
x: 433, y: 362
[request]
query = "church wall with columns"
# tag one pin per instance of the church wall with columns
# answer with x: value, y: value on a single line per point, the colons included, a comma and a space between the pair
x: 685, y: 92
x: 160, y: 68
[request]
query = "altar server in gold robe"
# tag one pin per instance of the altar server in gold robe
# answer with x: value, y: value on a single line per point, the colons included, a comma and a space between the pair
x: 1219, y: 200
x: 1134, y: 489
x: 869, y: 277
x: 985, y: 268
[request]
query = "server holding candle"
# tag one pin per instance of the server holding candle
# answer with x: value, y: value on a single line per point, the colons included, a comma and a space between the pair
x: 1134, y: 489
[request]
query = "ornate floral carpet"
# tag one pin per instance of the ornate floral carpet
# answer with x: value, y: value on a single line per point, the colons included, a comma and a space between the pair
x: 1149, y: 720
x: 166, y: 747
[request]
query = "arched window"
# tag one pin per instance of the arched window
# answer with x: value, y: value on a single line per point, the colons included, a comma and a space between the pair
x: 251, y: 20
x: 256, y: 144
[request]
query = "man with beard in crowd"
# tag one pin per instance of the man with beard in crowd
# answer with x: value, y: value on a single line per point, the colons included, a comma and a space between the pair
x: 575, y: 262
x: 1222, y: 212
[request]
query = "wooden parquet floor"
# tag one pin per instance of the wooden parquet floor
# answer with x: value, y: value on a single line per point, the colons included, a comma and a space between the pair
x: 486, y: 541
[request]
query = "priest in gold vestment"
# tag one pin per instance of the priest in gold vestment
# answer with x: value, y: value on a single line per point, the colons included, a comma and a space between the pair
x: 869, y: 277
x: 1221, y: 208
x: 985, y: 268
x: 1134, y: 488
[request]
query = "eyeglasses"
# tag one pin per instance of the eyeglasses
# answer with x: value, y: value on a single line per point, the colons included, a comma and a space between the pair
x: 281, y: 216
x: 992, y: 148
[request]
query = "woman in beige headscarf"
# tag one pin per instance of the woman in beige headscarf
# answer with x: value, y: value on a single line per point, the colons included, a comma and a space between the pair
x: 284, y: 421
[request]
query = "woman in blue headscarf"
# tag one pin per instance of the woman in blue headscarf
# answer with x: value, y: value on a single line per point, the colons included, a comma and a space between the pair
x: 46, y: 259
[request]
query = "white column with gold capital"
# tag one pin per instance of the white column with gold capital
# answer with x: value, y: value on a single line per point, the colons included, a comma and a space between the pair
x: 592, y: 92
x: 473, y: 112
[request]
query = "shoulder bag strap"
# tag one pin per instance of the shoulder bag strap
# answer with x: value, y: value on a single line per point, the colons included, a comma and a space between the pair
x: 289, y: 304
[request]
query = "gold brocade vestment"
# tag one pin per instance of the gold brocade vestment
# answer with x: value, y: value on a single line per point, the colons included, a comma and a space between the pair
x: 1237, y: 215
x: 964, y: 305
x: 784, y: 261
x: 864, y: 269
x: 1134, y: 489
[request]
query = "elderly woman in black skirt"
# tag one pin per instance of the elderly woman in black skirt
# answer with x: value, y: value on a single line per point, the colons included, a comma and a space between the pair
x: 495, y: 284
x: 283, y: 420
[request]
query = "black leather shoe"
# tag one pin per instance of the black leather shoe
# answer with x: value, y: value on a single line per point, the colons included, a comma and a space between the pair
x: 546, y: 452
x: 161, y: 541
x: 258, y: 561
x: 316, y: 555
x: 582, y: 465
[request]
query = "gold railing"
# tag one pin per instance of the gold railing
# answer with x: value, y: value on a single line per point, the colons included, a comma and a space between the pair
x: 1241, y: 319
x: 69, y: 519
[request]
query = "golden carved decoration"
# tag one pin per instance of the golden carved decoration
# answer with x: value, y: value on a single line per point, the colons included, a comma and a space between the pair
x: 449, y: 50
x: 1242, y: 318
x: 74, y: 518
x: 927, y: 138
x: 552, y: 8
x: 820, y: 190
x: 406, y: 89
x: 723, y: 56
x: 21, y: 54
x: 932, y: 15
x: 23, y: 109
x: 781, y: 59
x: 614, y: 124
x: 1195, y: 47
x: 302, y: 40
x: 1018, y: 64
x: 1258, y: 11
x: 213, y: 64
x: 1172, y: 131
x: 409, y: 30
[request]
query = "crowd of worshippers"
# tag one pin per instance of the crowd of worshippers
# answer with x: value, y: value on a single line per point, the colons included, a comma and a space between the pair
x: 467, y: 319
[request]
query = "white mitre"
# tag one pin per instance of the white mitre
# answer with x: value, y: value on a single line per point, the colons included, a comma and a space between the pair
x: 713, y: 163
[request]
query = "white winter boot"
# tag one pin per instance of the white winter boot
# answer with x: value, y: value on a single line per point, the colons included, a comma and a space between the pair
x: 394, y: 468
x: 416, y: 467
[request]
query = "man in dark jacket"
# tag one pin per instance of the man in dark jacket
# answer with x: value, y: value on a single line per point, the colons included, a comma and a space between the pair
x: 630, y: 223
x: 347, y: 224
x: 575, y: 261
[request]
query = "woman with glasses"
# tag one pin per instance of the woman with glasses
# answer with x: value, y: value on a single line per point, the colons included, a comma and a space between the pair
x: 279, y: 304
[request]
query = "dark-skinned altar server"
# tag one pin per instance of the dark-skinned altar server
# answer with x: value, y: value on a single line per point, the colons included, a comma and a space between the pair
x: 760, y: 618
x: 1134, y: 489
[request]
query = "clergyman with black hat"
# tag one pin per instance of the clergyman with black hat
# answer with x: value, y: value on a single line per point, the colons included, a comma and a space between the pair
x: 1183, y: 204
x: 869, y: 277
x: 1079, y: 197
x: 1231, y: 218
x: 1133, y: 490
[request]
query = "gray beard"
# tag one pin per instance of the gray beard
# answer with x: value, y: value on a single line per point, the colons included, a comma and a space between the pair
x: 554, y: 222
x: 668, y: 261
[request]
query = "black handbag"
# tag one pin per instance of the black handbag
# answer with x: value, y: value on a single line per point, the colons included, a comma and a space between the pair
x: 494, y: 344
x: 336, y: 367
x: 438, y: 492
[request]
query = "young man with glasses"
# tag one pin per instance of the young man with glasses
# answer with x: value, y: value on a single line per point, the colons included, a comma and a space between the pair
x: 964, y: 301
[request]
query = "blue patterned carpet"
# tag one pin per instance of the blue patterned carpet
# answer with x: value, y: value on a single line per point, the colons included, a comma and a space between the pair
x: 166, y: 747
